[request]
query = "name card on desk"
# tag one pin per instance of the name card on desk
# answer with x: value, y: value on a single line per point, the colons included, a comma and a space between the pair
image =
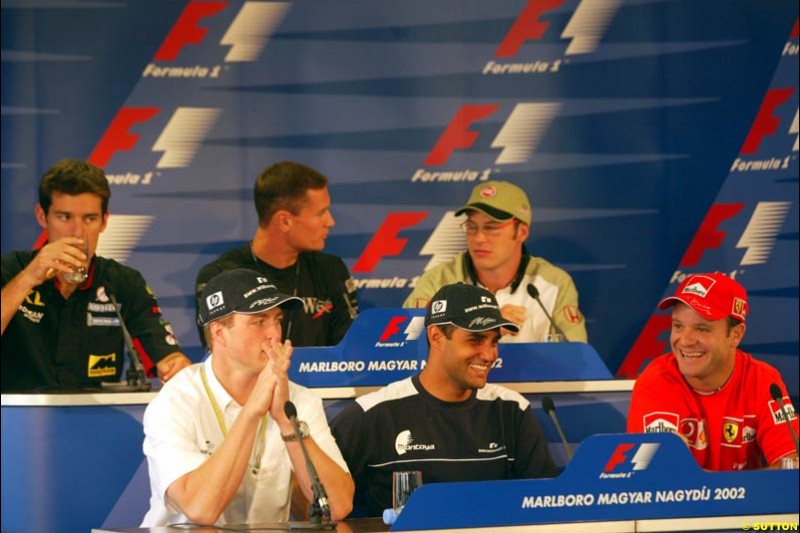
x: 611, y: 477
x: 385, y: 345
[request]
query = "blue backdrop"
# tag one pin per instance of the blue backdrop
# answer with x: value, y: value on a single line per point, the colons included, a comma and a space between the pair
x: 656, y: 138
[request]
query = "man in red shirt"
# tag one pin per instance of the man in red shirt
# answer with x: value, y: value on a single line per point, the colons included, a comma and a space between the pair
x: 713, y: 395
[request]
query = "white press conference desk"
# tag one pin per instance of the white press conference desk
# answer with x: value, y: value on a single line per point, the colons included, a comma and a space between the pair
x: 74, y: 461
x: 615, y: 483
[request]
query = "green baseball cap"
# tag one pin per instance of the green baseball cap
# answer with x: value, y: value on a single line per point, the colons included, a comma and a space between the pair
x: 499, y: 200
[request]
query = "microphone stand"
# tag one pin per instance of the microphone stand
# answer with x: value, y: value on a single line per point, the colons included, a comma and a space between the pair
x: 533, y: 292
x: 550, y: 408
x: 319, y: 513
x: 777, y: 396
x: 136, y: 379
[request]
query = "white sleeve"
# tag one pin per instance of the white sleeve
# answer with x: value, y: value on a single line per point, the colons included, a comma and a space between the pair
x: 310, y: 410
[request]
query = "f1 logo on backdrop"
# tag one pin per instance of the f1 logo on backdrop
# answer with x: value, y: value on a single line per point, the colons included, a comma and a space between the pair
x: 180, y: 140
x: 757, y: 239
x: 767, y: 122
x: 246, y: 35
x: 445, y: 242
x: 585, y: 28
x: 627, y: 458
x: 518, y: 137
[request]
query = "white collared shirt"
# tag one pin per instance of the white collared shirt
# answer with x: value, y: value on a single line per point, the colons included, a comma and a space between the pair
x: 182, y: 431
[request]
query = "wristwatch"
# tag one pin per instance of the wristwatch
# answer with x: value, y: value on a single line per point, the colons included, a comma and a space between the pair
x: 303, y: 430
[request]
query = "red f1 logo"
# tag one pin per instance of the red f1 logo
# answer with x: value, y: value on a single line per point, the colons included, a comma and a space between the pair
x: 180, y: 140
x: 640, y: 460
x: 247, y: 35
x: 118, y: 137
x: 458, y: 134
x: 526, y: 27
x: 393, y: 328
x: 187, y: 30
x: 708, y: 236
x: 765, y: 123
x: 518, y: 137
x: 385, y: 241
x: 585, y: 28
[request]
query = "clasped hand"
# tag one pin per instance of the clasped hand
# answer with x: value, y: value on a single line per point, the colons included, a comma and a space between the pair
x: 271, y: 391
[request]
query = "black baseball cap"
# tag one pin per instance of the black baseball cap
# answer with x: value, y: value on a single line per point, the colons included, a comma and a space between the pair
x: 240, y: 291
x: 467, y: 307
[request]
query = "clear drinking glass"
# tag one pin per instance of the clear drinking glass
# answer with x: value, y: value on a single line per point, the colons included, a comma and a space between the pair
x: 403, y: 484
x: 80, y: 274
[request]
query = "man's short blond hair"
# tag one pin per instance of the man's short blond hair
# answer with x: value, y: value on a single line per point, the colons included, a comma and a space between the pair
x: 226, y: 321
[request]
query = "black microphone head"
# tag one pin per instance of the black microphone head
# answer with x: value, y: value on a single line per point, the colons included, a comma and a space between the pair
x: 776, y: 393
x: 533, y: 291
x: 547, y: 404
x: 290, y: 410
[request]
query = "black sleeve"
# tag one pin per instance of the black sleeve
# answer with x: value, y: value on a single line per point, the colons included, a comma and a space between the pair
x: 349, y: 430
x: 532, y: 456
x: 345, y: 303
x: 139, y: 309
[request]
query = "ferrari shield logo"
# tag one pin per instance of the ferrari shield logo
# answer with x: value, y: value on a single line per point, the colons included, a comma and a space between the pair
x: 730, y: 430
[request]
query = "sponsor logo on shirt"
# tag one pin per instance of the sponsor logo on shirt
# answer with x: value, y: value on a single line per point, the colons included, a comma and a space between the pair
x: 777, y: 414
x: 102, y: 308
x: 572, y: 314
x: 100, y: 366
x: 748, y: 434
x: 209, y: 449
x: 404, y: 442
x: 661, y: 422
x: 101, y: 294
x: 34, y: 298
x: 92, y: 320
x: 730, y: 430
x: 33, y: 316
x: 695, y: 432
x: 492, y: 448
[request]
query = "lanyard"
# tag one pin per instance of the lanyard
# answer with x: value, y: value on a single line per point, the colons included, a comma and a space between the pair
x: 262, y: 428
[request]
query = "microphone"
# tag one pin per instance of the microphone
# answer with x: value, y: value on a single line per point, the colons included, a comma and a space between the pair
x: 534, y: 293
x: 550, y: 408
x: 777, y: 395
x: 136, y: 379
x: 320, y: 512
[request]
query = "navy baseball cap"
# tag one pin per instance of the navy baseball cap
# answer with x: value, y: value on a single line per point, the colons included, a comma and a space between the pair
x: 468, y: 307
x: 240, y: 291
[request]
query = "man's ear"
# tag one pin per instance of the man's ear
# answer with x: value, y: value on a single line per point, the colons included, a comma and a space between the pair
x: 523, y: 231
x: 435, y: 336
x: 41, y: 216
x: 284, y: 219
x: 216, y: 328
x: 737, y: 332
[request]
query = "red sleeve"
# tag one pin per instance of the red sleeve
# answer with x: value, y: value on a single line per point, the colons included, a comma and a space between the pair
x: 774, y: 438
x: 655, y: 401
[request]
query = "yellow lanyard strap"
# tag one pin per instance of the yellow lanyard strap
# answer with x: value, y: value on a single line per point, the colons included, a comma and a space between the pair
x: 262, y: 428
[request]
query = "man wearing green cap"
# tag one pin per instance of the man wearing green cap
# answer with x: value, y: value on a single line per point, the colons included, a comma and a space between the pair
x: 497, y: 226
